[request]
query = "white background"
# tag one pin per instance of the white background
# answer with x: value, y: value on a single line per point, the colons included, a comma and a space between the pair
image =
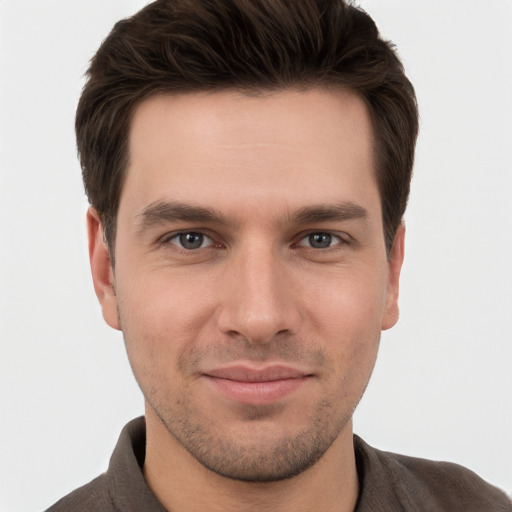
x: 443, y: 382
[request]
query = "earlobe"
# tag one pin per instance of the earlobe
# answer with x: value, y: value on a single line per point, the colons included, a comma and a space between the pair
x: 391, y: 312
x: 101, y: 269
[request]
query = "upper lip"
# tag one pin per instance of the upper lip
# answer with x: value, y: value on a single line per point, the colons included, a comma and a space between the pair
x: 246, y: 374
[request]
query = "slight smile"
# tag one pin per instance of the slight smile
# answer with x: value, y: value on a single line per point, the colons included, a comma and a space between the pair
x: 257, y: 387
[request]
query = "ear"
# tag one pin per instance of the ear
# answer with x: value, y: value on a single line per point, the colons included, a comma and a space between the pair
x: 391, y: 311
x: 101, y: 268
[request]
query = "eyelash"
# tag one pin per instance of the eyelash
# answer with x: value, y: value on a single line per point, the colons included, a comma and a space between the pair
x: 331, y: 236
x: 340, y: 240
x: 168, y: 239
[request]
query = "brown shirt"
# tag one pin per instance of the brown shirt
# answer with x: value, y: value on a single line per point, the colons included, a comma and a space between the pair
x: 388, y: 482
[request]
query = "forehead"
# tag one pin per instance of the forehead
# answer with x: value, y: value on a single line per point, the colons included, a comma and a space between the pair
x: 290, y: 146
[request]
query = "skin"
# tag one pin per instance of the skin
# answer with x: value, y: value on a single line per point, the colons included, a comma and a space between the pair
x: 290, y: 270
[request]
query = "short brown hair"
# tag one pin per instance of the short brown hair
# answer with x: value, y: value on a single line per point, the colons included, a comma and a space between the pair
x: 179, y: 46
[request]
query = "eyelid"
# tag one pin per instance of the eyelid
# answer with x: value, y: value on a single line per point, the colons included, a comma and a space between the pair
x: 343, y: 238
x: 168, y: 238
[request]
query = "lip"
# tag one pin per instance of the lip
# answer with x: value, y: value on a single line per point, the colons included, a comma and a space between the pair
x: 257, y: 386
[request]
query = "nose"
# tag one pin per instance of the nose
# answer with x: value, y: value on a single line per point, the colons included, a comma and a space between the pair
x: 259, y: 301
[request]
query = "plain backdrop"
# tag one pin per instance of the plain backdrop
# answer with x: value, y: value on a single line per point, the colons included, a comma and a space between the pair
x: 443, y: 381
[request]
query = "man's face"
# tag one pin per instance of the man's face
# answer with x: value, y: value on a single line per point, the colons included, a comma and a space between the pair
x: 251, y: 279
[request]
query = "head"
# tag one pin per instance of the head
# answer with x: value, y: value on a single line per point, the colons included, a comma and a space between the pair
x: 248, y: 163
x: 183, y: 46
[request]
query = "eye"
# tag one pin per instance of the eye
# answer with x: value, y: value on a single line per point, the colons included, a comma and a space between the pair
x: 191, y: 240
x: 320, y: 240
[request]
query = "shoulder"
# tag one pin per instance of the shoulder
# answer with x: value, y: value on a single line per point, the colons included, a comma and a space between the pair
x: 448, y: 485
x: 420, y: 484
x: 92, y: 496
x: 123, y: 486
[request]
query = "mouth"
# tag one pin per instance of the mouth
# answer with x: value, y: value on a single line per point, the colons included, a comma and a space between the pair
x: 257, y: 386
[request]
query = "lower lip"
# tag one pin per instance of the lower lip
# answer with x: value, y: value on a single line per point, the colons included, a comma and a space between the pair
x: 257, y: 393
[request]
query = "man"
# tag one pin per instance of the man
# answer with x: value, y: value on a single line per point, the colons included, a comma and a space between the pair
x: 248, y: 167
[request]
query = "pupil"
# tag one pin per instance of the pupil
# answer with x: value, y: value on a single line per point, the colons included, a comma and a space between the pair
x: 320, y: 240
x: 191, y: 240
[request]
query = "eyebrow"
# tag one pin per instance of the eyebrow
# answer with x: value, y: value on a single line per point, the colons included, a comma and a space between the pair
x: 163, y: 212
x: 323, y: 213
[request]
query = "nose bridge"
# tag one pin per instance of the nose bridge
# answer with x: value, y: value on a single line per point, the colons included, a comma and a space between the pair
x: 258, y: 304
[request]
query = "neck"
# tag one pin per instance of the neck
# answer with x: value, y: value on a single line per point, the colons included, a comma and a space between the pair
x: 182, y: 484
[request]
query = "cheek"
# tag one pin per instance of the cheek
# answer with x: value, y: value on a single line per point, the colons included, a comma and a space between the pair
x: 349, y: 304
x: 161, y: 319
x: 346, y: 313
x: 161, y: 302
